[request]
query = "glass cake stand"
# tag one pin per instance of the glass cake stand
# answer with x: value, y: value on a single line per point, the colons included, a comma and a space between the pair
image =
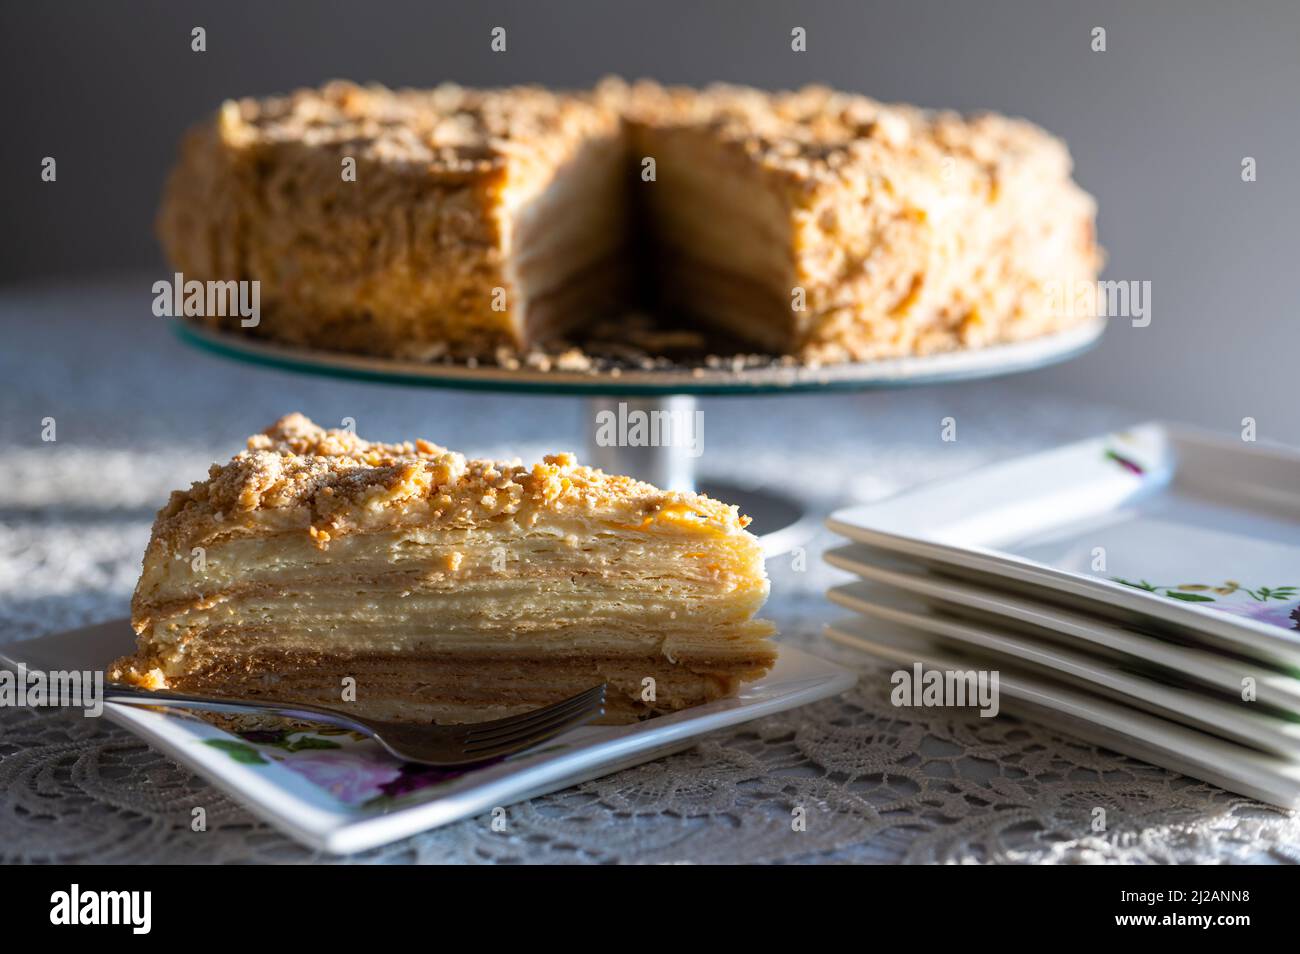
x: 780, y: 521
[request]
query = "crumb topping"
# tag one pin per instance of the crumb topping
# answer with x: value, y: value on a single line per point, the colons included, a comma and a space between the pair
x: 818, y: 136
x: 448, y: 129
x: 814, y: 134
x: 330, y: 482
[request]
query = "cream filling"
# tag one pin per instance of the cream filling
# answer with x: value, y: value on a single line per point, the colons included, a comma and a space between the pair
x: 549, y: 622
x: 458, y: 558
x: 502, y: 588
x: 710, y: 207
x: 572, y: 226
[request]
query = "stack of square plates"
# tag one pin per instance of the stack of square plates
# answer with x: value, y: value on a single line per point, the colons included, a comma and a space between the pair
x: 1141, y: 590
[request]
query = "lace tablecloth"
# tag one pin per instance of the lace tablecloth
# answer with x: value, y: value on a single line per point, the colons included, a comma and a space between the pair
x: 137, y: 414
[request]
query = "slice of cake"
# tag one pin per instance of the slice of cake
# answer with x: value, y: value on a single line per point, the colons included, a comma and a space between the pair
x: 448, y: 589
x: 409, y: 223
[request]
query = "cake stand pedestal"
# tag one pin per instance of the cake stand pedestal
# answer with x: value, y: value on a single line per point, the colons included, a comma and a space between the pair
x: 780, y: 521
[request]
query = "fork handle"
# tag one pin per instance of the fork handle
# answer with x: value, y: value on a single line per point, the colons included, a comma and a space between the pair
x: 133, y: 696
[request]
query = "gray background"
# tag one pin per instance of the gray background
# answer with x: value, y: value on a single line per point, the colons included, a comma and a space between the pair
x: 1158, y: 125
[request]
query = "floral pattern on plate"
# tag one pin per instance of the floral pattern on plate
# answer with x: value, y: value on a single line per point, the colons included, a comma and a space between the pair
x: 1275, y: 605
x: 347, y: 765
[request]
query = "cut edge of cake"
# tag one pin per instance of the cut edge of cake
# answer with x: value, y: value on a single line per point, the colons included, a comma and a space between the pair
x: 412, y: 224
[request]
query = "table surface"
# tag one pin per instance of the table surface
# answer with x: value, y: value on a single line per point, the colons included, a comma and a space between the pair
x: 137, y: 414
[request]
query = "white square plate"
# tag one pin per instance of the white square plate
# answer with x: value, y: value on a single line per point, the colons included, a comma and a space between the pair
x: 340, y: 793
x: 1244, y: 722
x: 1100, y: 721
x: 1042, y: 621
x: 1156, y: 525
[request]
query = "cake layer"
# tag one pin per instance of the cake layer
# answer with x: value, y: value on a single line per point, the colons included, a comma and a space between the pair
x: 453, y: 688
x: 721, y: 234
x: 247, y: 634
x: 357, y: 617
x: 753, y: 313
x: 505, y: 552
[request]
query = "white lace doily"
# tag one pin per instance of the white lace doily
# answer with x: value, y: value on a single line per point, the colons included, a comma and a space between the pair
x: 137, y: 414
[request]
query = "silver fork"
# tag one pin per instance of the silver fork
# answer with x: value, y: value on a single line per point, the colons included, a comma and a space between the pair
x: 446, y: 746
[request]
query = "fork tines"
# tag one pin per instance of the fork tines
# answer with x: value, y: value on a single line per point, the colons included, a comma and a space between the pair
x: 502, y: 737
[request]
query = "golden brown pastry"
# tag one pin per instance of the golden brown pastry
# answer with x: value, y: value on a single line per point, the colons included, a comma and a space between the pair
x: 449, y: 589
x: 818, y: 224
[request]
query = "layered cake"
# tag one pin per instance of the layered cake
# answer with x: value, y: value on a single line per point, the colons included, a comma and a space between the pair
x: 447, y: 589
x: 463, y: 223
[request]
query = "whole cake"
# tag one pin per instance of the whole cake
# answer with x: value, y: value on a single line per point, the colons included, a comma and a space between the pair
x: 458, y: 223
x: 446, y: 589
